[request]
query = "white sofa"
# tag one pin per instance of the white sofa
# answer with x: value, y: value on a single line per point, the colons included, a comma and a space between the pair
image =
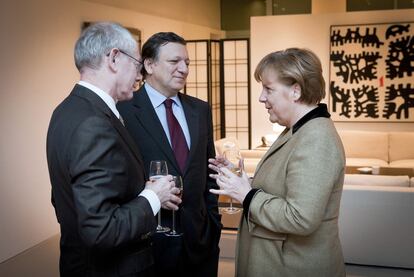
x: 376, y: 224
x: 366, y: 148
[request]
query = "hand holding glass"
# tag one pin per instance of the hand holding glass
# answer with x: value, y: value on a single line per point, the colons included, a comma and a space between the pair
x: 157, y: 170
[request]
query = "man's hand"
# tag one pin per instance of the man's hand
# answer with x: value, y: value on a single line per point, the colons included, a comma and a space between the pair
x: 166, y: 191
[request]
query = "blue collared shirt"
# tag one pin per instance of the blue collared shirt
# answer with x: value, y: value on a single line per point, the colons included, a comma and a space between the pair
x: 157, y: 101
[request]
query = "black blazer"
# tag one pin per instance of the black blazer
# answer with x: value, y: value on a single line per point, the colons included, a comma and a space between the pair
x: 96, y: 173
x: 198, y: 216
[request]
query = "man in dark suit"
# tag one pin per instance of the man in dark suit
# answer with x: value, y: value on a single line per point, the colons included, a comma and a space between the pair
x: 104, y: 208
x: 171, y: 126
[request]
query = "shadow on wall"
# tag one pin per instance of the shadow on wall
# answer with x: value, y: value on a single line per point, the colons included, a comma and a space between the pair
x: 40, y: 260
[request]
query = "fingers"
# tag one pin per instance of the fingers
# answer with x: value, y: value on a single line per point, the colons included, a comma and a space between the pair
x: 218, y: 191
x: 175, y: 199
x: 172, y: 200
x: 226, y: 172
x: 213, y: 176
x: 213, y: 167
x: 169, y: 206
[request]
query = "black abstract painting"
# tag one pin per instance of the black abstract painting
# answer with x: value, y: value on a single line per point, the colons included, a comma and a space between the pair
x: 372, y: 72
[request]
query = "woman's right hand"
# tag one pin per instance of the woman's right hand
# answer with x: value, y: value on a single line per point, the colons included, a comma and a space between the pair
x: 215, y: 164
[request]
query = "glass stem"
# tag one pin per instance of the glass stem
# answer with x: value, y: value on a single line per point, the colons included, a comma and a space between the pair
x: 159, y: 218
x: 173, y: 222
x: 231, y: 203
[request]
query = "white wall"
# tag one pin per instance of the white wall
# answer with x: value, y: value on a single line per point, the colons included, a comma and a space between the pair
x: 271, y: 33
x: 37, y: 72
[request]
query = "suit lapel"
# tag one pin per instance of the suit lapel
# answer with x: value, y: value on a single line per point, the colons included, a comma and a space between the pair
x: 148, y: 118
x: 283, y: 138
x: 96, y: 101
x: 192, y: 117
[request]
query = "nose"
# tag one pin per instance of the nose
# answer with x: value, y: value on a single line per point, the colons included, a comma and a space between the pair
x: 262, y: 97
x: 183, y: 67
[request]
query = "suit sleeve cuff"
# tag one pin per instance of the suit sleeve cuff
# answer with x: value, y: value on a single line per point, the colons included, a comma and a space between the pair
x: 247, y: 200
x: 152, y: 199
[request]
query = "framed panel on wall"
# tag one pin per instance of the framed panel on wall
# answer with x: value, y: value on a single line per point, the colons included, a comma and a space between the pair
x: 371, y: 72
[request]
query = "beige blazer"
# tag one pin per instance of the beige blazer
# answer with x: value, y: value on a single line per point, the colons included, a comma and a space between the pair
x: 292, y: 227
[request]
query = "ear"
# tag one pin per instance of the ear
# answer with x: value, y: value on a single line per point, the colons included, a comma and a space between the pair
x: 113, y: 59
x: 297, y: 92
x: 149, y: 64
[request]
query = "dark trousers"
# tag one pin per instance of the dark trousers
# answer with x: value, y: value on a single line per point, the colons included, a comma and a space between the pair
x: 171, y: 259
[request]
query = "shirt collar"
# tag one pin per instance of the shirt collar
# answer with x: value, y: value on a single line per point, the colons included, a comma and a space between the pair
x: 157, y: 98
x: 109, y: 101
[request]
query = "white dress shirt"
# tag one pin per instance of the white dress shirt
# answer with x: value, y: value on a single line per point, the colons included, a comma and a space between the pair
x: 150, y: 195
x: 157, y: 100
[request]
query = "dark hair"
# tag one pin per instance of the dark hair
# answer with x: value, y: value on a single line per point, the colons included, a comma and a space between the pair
x: 152, y: 46
x: 295, y: 65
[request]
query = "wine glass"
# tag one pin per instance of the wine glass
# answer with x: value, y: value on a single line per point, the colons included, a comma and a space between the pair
x: 178, y: 184
x: 235, y: 166
x: 158, y: 169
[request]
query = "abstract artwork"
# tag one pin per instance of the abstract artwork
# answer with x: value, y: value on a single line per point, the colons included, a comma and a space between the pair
x: 371, y: 72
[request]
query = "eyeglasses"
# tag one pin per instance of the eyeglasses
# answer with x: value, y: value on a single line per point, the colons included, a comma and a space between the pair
x: 137, y: 63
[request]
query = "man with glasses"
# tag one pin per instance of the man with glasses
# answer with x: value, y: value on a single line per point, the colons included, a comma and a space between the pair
x: 171, y: 126
x: 103, y: 205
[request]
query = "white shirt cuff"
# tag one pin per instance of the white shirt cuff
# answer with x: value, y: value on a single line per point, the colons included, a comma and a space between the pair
x: 153, y: 199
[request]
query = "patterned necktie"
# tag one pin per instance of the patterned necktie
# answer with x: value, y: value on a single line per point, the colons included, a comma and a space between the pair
x: 178, y: 142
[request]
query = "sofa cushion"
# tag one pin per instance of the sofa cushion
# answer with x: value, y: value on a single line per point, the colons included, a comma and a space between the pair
x: 401, y: 146
x: 412, y: 182
x: 365, y: 162
x: 402, y: 163
x: 376, y: 180
x: 360, y: 144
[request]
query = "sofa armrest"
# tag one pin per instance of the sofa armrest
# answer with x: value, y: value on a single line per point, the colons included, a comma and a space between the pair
x: 376, y: 180
x: 374, y: 225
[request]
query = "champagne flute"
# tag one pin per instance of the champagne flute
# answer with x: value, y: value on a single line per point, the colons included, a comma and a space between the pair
x: 178, y: 184
x: 158, y: 169
x: 235, y: 166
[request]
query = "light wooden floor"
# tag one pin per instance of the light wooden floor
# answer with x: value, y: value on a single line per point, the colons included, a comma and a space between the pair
x: 42, y: 261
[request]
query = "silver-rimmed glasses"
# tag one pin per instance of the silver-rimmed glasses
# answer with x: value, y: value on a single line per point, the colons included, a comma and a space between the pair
x: 137, y: 63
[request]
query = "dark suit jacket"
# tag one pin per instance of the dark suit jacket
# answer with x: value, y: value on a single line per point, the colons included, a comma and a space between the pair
x: 96, y: 173
x: 199, y: 219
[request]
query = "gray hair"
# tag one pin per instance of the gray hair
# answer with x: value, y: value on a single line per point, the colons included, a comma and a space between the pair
x: 97, y: 40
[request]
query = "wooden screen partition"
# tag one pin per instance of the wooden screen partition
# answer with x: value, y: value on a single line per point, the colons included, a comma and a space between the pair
x: 219, y: 74
x: 236, y: 90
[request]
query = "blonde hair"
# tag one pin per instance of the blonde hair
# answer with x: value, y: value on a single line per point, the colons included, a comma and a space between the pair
x: 296, y: 66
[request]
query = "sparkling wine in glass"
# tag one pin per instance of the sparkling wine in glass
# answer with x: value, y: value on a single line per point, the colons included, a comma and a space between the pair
x: 178, y: 184
x: 158, y: 169
x: 235, y: 166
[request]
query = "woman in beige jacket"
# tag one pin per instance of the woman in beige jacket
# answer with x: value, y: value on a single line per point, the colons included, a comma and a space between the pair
x: 291, y: 207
